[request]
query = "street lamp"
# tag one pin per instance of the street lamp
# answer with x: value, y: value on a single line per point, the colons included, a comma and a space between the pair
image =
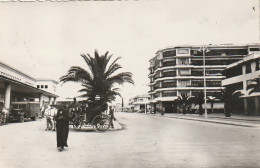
x: 204, y: 50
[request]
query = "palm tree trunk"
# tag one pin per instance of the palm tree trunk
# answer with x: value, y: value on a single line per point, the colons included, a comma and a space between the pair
x: 211, y: 107
x: 200, y: 109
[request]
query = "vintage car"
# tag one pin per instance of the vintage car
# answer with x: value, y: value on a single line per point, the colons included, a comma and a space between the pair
x: 21, y: 110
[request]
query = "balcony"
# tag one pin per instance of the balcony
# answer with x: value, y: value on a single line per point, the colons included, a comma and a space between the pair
x: 169, y: 85
x: 196, y: 73
x: 169, y: 94
x: 169, y: 54
x: 169, y: 63
x: 169, y: 74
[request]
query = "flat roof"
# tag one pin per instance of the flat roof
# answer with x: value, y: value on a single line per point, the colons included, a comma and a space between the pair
x: 227, y: 45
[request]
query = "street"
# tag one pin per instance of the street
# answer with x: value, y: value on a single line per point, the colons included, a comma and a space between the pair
x: 146, y: 141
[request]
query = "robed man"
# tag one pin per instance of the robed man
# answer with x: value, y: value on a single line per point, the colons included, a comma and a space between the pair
x: 62, y: 127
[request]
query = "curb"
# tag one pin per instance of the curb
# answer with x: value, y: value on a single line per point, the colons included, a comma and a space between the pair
x: 213, y: 121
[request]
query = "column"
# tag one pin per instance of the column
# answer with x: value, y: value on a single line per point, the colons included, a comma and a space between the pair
x: 7, y: 95
x: 41, y: 100
x: 50, y: 100
x: 245, y: 106
x: 55, y: 100
x: 257, y: 105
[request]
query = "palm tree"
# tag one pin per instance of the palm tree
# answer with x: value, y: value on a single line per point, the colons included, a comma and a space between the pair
x: 198, y: 99
x: 230, y: 99
x: 254, y: 86
x: 99, y: 79
x: 211, y: 99
x: 184, y: 102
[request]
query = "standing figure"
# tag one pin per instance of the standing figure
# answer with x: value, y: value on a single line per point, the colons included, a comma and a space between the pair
x: 62, y: 127
x: 112, y: 117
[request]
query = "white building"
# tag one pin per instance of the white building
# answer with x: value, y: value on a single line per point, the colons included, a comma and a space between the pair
x: 140, y: 103
x: 180, y: 70
x: 16, y: 85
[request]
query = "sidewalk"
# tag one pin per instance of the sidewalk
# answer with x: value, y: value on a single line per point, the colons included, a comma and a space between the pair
x: 237, y: 120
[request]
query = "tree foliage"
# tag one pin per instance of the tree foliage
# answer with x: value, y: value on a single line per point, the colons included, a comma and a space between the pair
x: 184, y: 101
x: 230, y: 99
x: 99, y: 77
x: 254, y: 86
x: 198, y: 99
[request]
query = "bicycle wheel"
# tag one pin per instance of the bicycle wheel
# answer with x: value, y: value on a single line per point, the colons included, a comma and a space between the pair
x: 77, y: 123
x: 101, y: 123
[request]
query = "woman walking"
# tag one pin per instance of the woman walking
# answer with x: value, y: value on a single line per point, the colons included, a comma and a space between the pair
x: 62, y: 127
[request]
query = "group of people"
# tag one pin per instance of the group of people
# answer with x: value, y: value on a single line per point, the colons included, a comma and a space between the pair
x: 60, y: 116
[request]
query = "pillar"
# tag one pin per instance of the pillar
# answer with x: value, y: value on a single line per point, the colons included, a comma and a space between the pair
x: 50, y: 100
x: 257, y: 105
x: 41, y: 100
x: 55, y: 100
x: 245, y: 106
x: 7, y: 95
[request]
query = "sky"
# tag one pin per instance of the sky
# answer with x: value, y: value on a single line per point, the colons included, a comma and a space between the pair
x: 44, y: 39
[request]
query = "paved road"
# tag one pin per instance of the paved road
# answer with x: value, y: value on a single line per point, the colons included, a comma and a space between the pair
x: 148, y: 141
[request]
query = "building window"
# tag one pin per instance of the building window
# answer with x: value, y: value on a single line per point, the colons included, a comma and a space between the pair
x: 183, y: 52
x: 184, y: 83
x: 184, y: 72
x: 169, y: 93
x: 169, y: 53
x: 46, y: 86
x: 254, y: 49
x: 248, y: 68
x: 183, y: 61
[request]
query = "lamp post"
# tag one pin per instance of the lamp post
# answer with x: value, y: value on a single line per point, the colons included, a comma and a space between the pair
x: 204, y: 50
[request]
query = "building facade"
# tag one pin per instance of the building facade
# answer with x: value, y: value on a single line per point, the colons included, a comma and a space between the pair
x: 140, y: 103
x: 18, y: 86
x: 238, y: 76
x: 179, y: 70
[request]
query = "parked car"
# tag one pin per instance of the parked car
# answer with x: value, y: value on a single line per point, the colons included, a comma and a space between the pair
x: 21, y: 110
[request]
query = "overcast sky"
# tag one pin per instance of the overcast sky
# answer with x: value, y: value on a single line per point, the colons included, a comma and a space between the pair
x: 45, y: 39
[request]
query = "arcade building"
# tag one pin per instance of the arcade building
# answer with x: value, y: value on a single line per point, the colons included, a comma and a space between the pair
x: 16, y: 86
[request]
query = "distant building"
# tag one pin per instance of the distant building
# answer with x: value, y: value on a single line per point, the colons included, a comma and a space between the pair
x: 140, y: 103
x: 179, y: 70
x: 18, y: 86
x: 239, y: 76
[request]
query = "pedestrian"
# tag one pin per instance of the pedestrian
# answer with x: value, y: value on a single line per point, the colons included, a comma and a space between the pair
x: 62, y: 127
x: 112, y: 117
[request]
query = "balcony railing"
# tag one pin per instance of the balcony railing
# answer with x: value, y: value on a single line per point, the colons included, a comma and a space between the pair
x: 169, y: 63
x: 169, y: 74
x: 196, y: 73
x: 169, y: 94
x: 169, y: 85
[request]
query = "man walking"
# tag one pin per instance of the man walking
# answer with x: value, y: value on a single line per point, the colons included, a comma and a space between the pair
x: 112, y: 117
